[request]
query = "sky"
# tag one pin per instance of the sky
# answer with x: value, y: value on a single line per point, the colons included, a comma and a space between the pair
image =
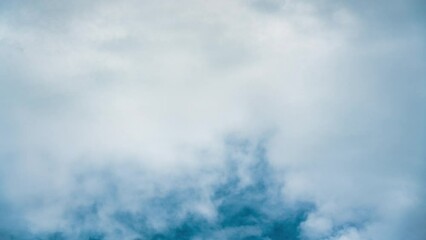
x: 225, y: 119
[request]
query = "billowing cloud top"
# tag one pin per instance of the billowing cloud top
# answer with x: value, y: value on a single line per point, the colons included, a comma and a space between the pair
x: 241, y: 119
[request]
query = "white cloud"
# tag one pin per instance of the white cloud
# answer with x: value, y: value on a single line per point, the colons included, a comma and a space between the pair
x: 159, y: 85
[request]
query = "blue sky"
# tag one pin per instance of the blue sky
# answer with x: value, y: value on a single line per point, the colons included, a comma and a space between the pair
x: 245, y: 119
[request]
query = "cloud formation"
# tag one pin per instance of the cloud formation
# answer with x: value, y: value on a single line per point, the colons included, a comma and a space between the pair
x: 246, y: 119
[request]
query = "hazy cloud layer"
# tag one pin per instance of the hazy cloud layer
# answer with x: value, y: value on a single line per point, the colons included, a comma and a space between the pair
x: 245, y: 119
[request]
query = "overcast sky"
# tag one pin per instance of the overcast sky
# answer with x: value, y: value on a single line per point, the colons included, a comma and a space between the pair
x: 202, y: 119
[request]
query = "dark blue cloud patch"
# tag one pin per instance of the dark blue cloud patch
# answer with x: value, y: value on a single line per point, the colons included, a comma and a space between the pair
x: 245, y: 199
x: 245, y: 210
x: 256, y: 205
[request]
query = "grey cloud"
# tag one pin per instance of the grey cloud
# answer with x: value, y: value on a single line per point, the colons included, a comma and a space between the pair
x: 110, y: 109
